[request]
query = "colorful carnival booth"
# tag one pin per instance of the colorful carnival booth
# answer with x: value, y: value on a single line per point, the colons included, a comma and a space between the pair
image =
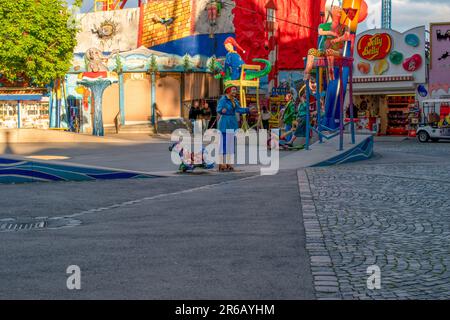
x: 23, y: 106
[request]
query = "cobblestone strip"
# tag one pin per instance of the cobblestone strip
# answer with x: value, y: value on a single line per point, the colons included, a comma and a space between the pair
x: 326, y: 284
x: 400, y: 225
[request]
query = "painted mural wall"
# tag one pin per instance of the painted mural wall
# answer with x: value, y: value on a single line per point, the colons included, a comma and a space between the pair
x: 182, y: 27
x: 165, y: 21
x: 108, y: 30
x: 440, y: 60
x: 297, y: 23
x: 224, y: 21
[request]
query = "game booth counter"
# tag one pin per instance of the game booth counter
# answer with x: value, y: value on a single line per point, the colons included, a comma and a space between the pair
x: 23, y: 105
x: 389, y: 80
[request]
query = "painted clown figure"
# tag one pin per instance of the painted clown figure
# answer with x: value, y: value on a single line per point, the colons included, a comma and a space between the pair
x: 227, y: 109
x: 233, y: 61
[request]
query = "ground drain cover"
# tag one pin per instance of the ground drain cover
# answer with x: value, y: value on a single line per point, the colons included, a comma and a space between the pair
x: 39, y: 223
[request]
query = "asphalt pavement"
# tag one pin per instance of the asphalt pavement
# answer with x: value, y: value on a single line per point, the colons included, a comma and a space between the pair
x: 231, y: 235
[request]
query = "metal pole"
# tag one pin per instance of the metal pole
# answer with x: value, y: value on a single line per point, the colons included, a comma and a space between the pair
x: 341, y: 107
x: 58, y: 105
x: 352, y: 123
x: 121, y: 99
x: 308, y: 124
x: 153, y: 98
x: 50, y: 110
x: 64, y: 100
x: 18, y: 114
x: 318, y: 102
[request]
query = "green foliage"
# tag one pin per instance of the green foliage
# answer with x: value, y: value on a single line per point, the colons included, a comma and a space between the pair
x: 37, y: 39
x: 187, y: 64
x: 152, y: 65
x: 212, y: 64
x: 119, y: 65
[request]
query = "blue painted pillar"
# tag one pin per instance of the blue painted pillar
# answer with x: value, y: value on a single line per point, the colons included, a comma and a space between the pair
x: 318, y: 102
x: 341, y: 109
x: 98, y: 90
x: 121, y: 99
x: 308, y: 122
x: 352, y: 123
x: 58, y: 105
x: 51, y: 123
x: 153, y: 98
x: 18, y: 114
x: 65, y: 107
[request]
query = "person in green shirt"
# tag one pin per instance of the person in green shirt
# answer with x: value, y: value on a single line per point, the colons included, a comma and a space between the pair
x: 300, y: 130
x: 289, y: 115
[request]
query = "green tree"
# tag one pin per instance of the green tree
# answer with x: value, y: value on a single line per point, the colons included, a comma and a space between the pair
x: 152, y: 64
x: 187, y: 64
x: 37, y: 39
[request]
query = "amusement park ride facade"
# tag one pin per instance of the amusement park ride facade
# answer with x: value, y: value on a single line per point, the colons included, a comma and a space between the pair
x: 175, y: 44
x: 164, y: 55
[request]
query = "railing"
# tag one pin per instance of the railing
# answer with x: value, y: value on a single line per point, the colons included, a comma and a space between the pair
x: 155, y: 121
x: 334, y: 132
x: 341, y: 63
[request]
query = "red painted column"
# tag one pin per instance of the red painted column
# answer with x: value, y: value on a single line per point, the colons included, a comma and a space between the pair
x: 193, y: 10
x: 141, y: 25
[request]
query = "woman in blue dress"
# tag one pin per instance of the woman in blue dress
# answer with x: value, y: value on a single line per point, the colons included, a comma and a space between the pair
x: 227, y: 108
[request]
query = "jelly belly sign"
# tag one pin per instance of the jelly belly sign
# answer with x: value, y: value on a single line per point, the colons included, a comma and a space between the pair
x: 384, y: 52
x: 374, y: 47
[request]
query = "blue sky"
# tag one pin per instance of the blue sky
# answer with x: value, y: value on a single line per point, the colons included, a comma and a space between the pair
x: 406, y: 14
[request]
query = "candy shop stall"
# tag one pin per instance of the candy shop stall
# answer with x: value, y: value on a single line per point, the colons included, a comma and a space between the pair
x: 389, y: 77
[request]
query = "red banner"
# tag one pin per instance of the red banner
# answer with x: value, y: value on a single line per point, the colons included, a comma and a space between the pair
x: 297, y: 20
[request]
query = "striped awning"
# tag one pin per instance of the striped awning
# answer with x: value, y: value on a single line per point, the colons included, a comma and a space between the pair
x: 383, y: 79
x: 21, y: 97
x: 21, y: 94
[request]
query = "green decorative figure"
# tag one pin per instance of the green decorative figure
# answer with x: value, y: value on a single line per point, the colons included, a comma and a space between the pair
x: 216, y: 67
x: 152, y: 65
x: 187, y: 64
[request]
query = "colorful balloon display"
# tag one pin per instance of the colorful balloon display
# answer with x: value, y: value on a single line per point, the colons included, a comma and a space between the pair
x: 412, y: 40
x: 363, y: 11
x: 413, y: 63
